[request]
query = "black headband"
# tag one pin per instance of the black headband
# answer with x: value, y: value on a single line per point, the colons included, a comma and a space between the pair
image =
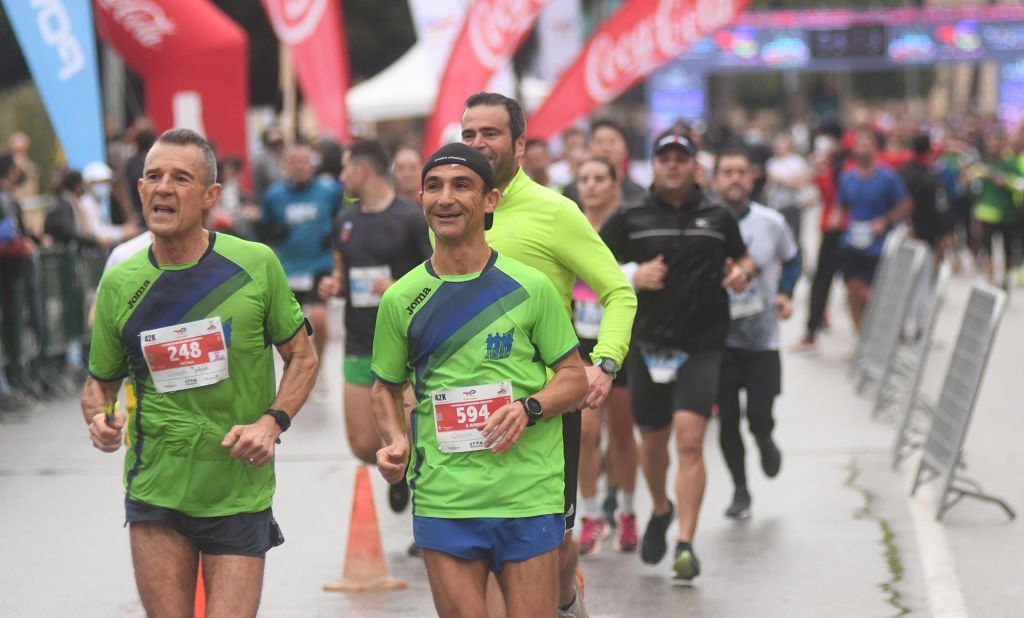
x: 458, y: 153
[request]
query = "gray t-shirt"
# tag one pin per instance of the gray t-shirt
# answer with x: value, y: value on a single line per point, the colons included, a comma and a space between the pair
x: 755, y: 323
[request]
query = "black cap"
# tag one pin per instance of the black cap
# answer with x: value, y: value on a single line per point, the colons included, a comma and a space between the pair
x: 458, y: 153
x: 674, y: 138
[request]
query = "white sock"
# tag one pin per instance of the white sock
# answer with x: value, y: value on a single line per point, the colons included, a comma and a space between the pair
x: 625, y: 503
x: 590, y: 507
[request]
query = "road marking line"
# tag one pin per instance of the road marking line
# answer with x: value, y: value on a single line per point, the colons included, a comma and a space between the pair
x: 944, y: 592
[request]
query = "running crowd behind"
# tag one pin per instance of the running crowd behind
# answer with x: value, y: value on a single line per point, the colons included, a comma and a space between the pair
x: 573, y: 300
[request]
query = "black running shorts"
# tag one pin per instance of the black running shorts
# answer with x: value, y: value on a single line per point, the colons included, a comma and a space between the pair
x: 695, y: 389
x: 244, y: 534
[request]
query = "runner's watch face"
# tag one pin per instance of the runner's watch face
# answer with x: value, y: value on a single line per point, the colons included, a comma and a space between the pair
x: 283, y: 420
x: 609, y: 366
x: 534, y: 411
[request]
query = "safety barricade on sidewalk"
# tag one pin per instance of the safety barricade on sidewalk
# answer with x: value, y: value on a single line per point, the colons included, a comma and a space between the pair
x: 882, y: 273
x: 942, y: 453
x: 902, y: 385
x: 37, y: 362
x: 891, y: 300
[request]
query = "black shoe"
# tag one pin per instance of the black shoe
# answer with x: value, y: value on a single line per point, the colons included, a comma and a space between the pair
x: 609, y: 506
x: 771, y: 457
x: 653, y: 547
x: 398, y: 496
x: 414, y: 551
x: 686, y: 566
x: 740, y: 507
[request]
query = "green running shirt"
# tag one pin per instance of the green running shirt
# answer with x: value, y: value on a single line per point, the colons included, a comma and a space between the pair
x: 174, y: 458
x: 443, y: 333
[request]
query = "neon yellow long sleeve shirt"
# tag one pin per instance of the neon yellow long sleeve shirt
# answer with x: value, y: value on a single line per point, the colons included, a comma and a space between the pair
x: 547, y: 231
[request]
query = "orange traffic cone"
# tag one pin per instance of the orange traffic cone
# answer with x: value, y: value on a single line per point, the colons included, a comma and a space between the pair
x: 364, y: 556
x: 200, y: 610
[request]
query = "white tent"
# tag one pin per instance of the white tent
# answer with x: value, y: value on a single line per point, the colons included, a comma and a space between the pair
x: 408, y: 89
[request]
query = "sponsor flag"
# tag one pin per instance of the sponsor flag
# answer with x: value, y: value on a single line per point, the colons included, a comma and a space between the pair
x: 59, y: 44
x: 491, y: 33
x: 314, y: 32
x: 193, y: 60
x: 634, y: 41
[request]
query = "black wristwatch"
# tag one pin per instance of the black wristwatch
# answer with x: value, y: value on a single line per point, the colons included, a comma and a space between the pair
x: 610, y: 367
x: 283, y: 420
x: 534, y: 411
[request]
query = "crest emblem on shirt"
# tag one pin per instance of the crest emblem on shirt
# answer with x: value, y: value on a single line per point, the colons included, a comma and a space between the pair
x: 499, y: 345
x: 701, y: 223
x: 346, y: 231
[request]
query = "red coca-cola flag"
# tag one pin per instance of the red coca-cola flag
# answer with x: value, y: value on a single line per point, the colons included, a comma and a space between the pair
x: 492, y: 32
x: 313, y: 31
x: 637, y: 39
x: 193, y: 60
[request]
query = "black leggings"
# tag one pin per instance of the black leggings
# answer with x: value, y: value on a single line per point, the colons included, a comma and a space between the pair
x: 824, y: 273
x: 758, y: 372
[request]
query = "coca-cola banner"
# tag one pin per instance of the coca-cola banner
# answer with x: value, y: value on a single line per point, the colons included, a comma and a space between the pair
x: 313, y: 31
x: 193, y: 60
x: 492, y: 32
x: 634, y: 41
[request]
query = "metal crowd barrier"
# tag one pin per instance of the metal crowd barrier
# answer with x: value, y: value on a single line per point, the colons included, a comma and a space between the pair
x: 37, y: 362
x: 942, y: 453
x: 891, y: 299
x: 902, y: 384
x: 882, y: 273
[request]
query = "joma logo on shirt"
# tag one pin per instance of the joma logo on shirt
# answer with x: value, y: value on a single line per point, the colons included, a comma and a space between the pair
x: 138, y: 294
x: 422, y: 296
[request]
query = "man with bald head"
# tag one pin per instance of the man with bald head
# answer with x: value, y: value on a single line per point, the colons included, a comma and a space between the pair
x: 298, y: 214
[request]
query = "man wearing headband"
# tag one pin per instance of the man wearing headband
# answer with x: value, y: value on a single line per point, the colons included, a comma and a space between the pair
x: 476, y: 333
x: 547, y: 231
x: 686, y: 251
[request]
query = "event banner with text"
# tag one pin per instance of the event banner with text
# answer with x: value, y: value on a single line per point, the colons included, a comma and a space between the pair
x: 492, y: 32
x: 634, y: 41
x: 57, y: 40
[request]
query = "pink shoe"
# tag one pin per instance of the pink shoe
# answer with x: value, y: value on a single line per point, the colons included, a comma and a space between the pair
x: 806, y: 345
x: 594, y: 531
x: 626, y: 539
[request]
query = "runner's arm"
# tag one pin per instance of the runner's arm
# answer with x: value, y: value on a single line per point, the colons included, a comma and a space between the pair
x: 583, y: 252
x: 301, y: 367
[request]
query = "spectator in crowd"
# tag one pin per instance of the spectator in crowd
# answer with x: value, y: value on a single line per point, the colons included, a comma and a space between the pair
x: 608, y: 139
x: 143, y: 140
x: 327, y: 156
x: 996, y: 178
x: 788, y: 180
x: 64, y: 221
x: 18, y: 260
x: 405, y: 168
x: 266, y: 162
x: 535, y: 161
x: 235, y: 211
x: 94, y: 205
x: 574, y: 151
x: 929, y: 197
x: 28, y: 187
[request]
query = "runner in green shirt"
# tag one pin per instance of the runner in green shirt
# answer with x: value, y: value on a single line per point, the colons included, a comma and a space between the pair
x: 997, y: 181
x: 190, y: 322
x: 546, y: 230
x: 476, y: 331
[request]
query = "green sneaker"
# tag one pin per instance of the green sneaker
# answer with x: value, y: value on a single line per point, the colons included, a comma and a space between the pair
x: 686, y: 566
